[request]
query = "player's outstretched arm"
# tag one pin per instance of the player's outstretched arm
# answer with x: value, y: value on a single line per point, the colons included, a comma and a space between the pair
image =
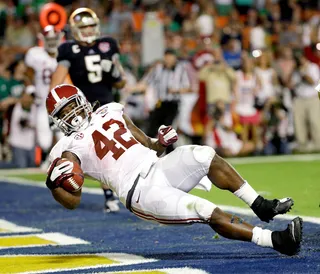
x: 58, y: 173
x: 65, y: 198
x: 142, y: 138
x: 59, y: 76
x: 166, y: 136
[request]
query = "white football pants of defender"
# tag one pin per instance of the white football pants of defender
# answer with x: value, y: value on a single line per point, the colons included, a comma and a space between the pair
x: 162, y: 196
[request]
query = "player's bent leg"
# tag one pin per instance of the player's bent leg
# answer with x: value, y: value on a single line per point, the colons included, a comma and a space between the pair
x: 230, y: 226
x: 186, y: 166
x: 167, y: 205
x: 224, y: 176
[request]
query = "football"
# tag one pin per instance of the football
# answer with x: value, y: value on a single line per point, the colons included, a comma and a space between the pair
x: 74, y: 182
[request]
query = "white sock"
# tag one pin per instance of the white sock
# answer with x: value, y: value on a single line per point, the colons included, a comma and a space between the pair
x: 246, y: 193
x: 261, y: 237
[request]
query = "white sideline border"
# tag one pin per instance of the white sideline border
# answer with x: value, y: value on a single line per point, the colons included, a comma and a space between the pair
x: 11, y: 228
x: 98, y: 191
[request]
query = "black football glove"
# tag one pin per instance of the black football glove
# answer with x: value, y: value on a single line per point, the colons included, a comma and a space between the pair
x: 57, y: 174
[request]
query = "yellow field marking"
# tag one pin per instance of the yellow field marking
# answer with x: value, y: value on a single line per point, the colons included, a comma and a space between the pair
x: 55, y: 263
x: 42, y: 239
x: 43, y: 263
x: 23, y: 241
x: 184, y: 270
x: 8, y: 227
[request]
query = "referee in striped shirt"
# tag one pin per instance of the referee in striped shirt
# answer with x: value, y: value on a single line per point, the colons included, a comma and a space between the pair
x: 169, y: 79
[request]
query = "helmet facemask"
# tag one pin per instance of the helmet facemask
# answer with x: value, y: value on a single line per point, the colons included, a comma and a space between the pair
x: 51, y: 44
x: 51, y: 39
x: 73, y: 116
x: 85, y: 26
x: 87, y: 34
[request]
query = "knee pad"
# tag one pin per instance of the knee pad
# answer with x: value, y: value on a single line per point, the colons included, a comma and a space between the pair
x: 204, y: 208
x: 204, y: 154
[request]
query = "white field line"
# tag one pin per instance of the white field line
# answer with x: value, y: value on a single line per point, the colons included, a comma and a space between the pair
x: 98, y: 191
x: 56, y: 238
x: 61, y: 239
x: 184, y: 270
x: 9, y: 228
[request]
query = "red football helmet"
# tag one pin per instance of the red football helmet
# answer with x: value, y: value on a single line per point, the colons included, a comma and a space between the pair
x: 68, y: 108
x: 51, y: 38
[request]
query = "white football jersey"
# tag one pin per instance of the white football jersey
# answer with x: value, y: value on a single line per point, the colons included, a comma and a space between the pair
x: 44, y: 66
x: 107, y: 150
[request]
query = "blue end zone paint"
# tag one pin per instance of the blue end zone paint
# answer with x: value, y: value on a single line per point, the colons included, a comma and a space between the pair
x: 175, y: 246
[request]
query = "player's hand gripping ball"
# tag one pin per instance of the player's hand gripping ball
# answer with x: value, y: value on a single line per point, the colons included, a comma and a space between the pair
x: 66, y: 174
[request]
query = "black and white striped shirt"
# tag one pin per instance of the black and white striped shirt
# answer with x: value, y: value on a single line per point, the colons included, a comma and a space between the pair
x: 163, y: 80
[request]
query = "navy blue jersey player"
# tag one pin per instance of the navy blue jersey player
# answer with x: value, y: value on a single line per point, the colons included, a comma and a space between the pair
x: 90, y: 60
x: 93, y: 65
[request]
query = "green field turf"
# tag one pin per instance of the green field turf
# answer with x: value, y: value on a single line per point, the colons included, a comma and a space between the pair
x: 299, y: 180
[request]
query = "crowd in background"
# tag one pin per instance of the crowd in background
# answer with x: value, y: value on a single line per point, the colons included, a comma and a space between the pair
x: 252, y: 67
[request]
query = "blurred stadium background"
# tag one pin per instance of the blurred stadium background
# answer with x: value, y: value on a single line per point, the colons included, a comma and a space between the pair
x: 245, y: 59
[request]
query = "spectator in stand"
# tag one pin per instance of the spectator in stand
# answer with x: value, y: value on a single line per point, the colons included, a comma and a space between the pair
x: 18, y: 34
x: 119, y: 14
x: 285, y: 66
x: 312, y: 53
x: 243, y: 6
x: 15, y: 84
x: 205, y: 22
x: 232, y: 53
x: 247, y: 86
x: 220, y: 134
x: 22, y: 133
x: 306, y: 104
x: 290, y: 36
x: 189, y: 26
x: 276, y: 133
x: 4, y: 94
x: 224, y: 7
x: 268, y: 78
x: 258, y: 36
x: 219, y: 81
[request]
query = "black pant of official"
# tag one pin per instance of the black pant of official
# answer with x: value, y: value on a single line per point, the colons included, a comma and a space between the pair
x: 164, y: 114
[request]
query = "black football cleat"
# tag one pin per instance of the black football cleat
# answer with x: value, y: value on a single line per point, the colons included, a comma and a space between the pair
x: 288, y: 241
x: 267, y: 209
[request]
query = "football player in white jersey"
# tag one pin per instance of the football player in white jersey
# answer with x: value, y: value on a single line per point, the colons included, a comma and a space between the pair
x: 111, y: 149
x: 41, y: 63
